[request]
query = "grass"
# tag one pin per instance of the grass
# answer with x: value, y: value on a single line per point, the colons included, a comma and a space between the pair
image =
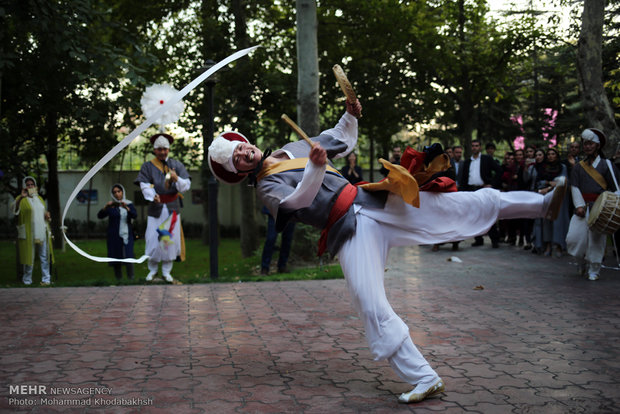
x: 71, y: 269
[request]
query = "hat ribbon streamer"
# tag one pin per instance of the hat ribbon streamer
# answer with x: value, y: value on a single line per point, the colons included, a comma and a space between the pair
x: 127, y: 140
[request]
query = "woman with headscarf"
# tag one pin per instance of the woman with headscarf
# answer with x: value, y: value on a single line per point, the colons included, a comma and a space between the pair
x: 120, y: 212
x: 33, y: 232
x: 550, y: 233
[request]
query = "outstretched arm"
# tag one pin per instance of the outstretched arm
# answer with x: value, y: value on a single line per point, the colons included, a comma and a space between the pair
x: 346, y: 129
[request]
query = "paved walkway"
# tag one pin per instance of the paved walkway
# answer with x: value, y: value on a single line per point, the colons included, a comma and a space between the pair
x: 535, y: 338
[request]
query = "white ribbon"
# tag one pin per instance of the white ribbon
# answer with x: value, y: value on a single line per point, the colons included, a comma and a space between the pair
x: 127, y: 140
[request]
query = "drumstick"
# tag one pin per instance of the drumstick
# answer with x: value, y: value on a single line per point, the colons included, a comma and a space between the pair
x: 297, y: 129
x: 345, y: 85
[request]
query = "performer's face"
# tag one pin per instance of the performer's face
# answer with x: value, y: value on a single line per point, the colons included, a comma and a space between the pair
x: 161, y: 153
x: 246, y: 157
x: 590, y: 147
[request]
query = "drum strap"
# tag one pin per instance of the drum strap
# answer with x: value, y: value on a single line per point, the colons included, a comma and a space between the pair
x: 596, y: 176
x: 613, y: 175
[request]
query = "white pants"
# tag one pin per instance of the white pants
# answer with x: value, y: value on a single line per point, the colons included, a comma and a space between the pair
x: 166, y: 267
x: 153, y: 248
x: 585, y: 244
x: 40, y: 249
x: 442, y: 217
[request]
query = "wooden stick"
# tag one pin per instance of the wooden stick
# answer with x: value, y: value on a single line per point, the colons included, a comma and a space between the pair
x: 344, y: 83
x: 297, y: 129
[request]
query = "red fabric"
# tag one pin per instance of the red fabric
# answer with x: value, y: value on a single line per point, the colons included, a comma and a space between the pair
x: 412, y: 160
x: 341, y: 206
x: 167, y: 198
x: 173, y: 222
x: 590, y: 197
x: 440, y: 185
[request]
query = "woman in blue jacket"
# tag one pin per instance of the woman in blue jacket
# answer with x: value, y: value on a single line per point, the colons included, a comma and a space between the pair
x: 120, y: 212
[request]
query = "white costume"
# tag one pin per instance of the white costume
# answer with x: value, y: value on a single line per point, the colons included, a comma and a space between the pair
x: 152, y: 180
x: 588, y: 246
x: 363, y: 236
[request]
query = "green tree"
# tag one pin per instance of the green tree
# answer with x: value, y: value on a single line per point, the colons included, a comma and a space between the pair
x: 61, y: 66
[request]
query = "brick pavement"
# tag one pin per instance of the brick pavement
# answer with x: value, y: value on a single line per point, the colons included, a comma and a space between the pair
x: 535, y: 339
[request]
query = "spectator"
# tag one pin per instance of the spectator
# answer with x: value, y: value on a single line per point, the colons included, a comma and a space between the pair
x: 573, y: 158
x: 33, y: 233
x: 352, y: 171
x: 524, y: 225
x: 549, y: 234
x: 490, y: 150
x: 457, y: 162
x: 450, y: 173
x: 120, y: 212
x: 478, y: 172
x: 270, y: 242
x: 510, y: 181
x: 574, y: 155
x: 394, y: 159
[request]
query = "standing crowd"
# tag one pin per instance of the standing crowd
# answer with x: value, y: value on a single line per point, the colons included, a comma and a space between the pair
x: 540, y: 170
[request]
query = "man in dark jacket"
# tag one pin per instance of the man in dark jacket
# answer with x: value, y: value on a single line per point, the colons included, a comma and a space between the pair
x: 481, y: 171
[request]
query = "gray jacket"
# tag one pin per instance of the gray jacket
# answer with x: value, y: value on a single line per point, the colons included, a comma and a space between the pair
x: 274, y: 188
x: 149, y: 173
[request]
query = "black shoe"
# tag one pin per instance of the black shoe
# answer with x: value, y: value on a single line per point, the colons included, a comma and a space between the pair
x: 495, y: 245
x: 283, y: 269
x: 264, y: 271
x: 477, y: 243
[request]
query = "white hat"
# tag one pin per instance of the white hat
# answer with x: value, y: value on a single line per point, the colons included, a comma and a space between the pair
x: 594, y: 135
x: 221, y: 151
x: 220, y: 157
x: 161, y: 140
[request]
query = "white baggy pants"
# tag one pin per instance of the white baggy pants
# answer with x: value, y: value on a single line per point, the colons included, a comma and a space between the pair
x: 442, y: 217
x: 582, y: 243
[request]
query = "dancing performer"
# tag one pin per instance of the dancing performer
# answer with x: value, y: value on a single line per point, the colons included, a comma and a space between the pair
x: 360, y: 226
x: 589, y: 178
x: 162, y: 180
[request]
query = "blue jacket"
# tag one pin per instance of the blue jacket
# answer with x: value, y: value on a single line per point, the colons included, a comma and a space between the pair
x: 116, y: 247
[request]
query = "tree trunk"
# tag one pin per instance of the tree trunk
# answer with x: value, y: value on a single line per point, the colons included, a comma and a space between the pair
x: 53, y: 193
x: 249, y: 227
x: 308, y: 68
x: 598, y: 111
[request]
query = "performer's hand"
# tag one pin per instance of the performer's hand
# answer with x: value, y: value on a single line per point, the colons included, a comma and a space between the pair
x: 318, y: 155
x: 580, y: 211
x: 24, y: 192
x: 355, y: 108
x: 173, y: 176
x: 156, y: 199
x: 47, y: 216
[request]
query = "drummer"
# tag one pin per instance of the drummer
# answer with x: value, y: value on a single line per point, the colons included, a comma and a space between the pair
x: 589, y: 178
